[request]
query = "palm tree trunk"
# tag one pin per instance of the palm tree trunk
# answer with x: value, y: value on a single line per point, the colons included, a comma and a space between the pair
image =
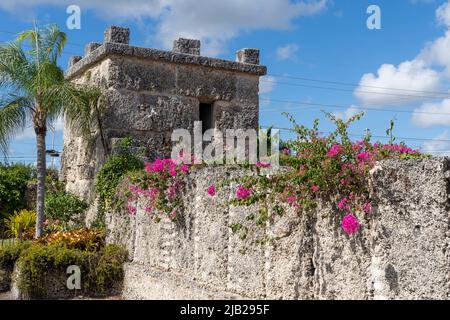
x: 100, y: 128
x: 41, y: 173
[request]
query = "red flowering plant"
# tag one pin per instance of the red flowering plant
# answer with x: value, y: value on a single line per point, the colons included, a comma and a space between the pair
x: 159, y: 187
x: 323, y: 167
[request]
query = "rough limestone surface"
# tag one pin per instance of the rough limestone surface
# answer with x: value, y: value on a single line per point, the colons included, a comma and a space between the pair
x: 148, y: 94
x: 401, y: 252
x: 189, y: 46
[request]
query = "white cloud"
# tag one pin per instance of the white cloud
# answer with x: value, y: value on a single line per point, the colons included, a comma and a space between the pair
x: 376, y: 89
x: 287, y: 52
x: 28, y: 133
x: 436, y: 53
x: 426, y: 72
x: 443, y: 14
x: 350, y: 112
x: 438, y: 146
x: 353, y: 110
x: 432, y: 114
x: 214, y: 22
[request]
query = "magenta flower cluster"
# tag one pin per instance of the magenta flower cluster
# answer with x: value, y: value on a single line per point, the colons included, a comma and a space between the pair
x: 350, y: 224
x: 168, y: 165
x: 163, y: 184
x: 263, y: 164
x: 212, y: 190
x: 334, y: 151
x: 243, y: 193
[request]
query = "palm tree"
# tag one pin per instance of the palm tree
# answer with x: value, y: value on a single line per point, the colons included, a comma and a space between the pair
x: 35, y: 91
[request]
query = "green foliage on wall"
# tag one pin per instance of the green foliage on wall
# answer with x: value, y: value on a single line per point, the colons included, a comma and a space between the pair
x: 112, y: 173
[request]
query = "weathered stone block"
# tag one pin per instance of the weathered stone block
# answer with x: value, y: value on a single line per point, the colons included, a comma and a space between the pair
x: 146, y: 112
x: 117, y: 34
x: 73, y: 60
x: 289, y: 264
x: 91, y: 47
x: 340, y: 262
x: 211, y: 239
x: 410, y: 257
x: 204, y: 82
x: 250, y: 56
x: 189, y: 46
x: 247, y: 89
x: 142, y: 76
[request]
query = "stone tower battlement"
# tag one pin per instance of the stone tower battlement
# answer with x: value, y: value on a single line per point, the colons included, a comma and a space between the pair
x: 148, y: 93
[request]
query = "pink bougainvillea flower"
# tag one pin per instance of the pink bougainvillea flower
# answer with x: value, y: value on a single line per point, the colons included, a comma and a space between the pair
x: 263, y: 164
x: 173, y: 215
x: 364, y: 156
x: 315, y: 188
x: 291, y: 199
x: 343, y: 204
x: 334, y: 150
x: 243, y: 193
x: 172, y: 192
x: 399, y: 148
x: 212, y: 190
x: 350, y: 224
x: 286, y: 151
x: 367, y: 207
x: 184, y: 168
x: 131, y: 209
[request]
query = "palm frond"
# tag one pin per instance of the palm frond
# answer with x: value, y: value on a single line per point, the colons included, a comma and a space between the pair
x: 14, y: 66
x: 47, y: 43
x: 13, y: 117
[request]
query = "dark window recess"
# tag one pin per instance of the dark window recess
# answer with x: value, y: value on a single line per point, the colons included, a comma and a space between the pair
x: 206, y: 116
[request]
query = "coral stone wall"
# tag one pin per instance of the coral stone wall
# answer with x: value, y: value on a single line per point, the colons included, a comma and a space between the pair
x: 402, y: 251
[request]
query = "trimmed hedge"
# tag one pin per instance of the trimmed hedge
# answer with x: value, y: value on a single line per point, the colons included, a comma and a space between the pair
x: 42, y: 269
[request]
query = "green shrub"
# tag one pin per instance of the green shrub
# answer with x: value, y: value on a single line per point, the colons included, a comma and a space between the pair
x: 21, y: 224
x: 13, y: 185
x: 109, y: 268
x: 111, y: 174
x: 40, y: 260
x: 65, y: 208
x: 10, y: 253
x: 101, y: 271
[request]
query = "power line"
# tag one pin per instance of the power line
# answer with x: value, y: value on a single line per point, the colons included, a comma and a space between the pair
x: 376, y: 136
x: 348, y: 90
x: 358, y: 85
x: 345, y: 107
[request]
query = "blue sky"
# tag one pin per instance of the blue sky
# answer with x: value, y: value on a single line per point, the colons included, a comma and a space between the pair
x: 405, y: 63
